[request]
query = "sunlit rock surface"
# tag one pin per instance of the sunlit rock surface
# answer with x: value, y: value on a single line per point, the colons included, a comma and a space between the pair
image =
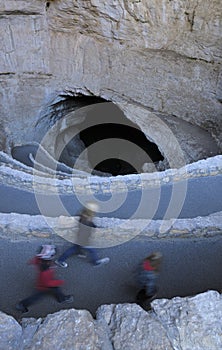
x: 10, y: 332
x: 192, y: 323
x: 181, y: 323
x: 155, y: 58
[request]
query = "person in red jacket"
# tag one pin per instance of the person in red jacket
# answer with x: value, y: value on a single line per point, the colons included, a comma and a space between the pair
x: 147, y: 278
x: 45, y: 282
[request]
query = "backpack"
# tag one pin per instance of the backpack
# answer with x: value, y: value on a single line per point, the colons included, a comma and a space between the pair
x: 46, y: 251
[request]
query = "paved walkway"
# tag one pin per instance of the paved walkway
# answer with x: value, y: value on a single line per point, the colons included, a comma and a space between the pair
x: 190, y: 266
x: 197, y: 197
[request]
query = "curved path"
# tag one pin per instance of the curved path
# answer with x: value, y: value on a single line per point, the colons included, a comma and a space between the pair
x: 189, y: 198
x: 190, y: 266
x: 203, y: 197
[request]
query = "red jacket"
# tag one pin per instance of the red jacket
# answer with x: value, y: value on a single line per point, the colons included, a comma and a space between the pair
x: 147, y: 266
x: 45, y: 278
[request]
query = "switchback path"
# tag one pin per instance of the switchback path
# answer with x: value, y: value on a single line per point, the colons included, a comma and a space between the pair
x: 190, y: 266
x: 202, y: 197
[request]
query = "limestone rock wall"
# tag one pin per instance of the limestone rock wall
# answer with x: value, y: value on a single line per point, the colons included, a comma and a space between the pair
x: 180, y: 323
x: 186, y: 27
x: 164, y: 56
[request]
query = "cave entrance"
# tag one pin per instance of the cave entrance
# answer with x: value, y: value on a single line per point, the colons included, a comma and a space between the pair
x: 118, y: 165
x: 126, y: 152
x: 130, y: 148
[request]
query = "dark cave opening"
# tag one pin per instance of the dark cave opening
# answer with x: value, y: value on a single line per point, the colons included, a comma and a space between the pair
x: 115, y: 167
x: 118, y: 165
x: 127, y: 150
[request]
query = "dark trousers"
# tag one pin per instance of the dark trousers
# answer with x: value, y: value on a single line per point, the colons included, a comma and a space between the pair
x: 38, y: 294
x: 141, y: 297
x: 78, y: 249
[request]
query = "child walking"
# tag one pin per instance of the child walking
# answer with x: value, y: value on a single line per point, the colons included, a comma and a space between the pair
x: 147, y: 278
x: 45, y: 282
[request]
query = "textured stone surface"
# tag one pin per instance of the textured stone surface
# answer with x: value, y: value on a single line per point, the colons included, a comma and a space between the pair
x: 111, y: 232
x: 180, y: 323
x: 131, y: 327
x: 192, y: 323
x: 10, y: 333
x: 15, y: 226
x: 29, y: 328
x: 156, y: 60
x: 165, y: 25
x: 164, y: 56
x: 13, y: 173
x: 68, y: 329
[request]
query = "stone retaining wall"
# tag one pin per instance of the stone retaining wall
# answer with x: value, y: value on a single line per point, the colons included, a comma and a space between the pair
x: 111, y: 231
x: 106, y: 185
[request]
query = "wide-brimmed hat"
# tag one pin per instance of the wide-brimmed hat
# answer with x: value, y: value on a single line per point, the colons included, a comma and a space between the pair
x: 92, y: 206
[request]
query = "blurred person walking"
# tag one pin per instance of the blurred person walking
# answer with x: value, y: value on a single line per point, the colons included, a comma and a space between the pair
x: 46, y: 282
x: 147, y: 278
x: 82, y: 248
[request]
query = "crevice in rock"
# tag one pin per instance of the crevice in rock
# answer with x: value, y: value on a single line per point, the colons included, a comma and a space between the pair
x: 18, y: 13
x: 47, y: 5
x: 7, y: 73
x: 190, y: 19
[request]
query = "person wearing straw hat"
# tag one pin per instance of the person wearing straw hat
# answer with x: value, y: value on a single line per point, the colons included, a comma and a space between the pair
x: 82, y: 248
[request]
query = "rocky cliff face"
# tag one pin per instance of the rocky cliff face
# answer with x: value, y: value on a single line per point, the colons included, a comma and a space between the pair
x: 159, y: 62
x: 180, y: 323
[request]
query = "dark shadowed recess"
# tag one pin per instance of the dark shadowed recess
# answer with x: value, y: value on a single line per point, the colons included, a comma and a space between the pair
x: 107, y: 121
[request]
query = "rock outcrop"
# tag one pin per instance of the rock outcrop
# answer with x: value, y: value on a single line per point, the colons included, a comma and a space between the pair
x: 159, y: 63
x: 154, y: 60
x: 180, y: 323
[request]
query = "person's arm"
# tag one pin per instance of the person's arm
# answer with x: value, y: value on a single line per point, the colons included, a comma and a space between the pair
x: 33, y: 261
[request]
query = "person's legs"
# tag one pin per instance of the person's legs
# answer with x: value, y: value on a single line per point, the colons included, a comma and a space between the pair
x: 151, y: 288
x: 69, y: 252
x: 23, y: 304
x: 141, y: 296
x: 142, y: 300
x: 93, y: 257
x: 74, y: 249
x: 60, y: 297
x: 77, y: 249
x: 82, y: 252
x: 91, y: 253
